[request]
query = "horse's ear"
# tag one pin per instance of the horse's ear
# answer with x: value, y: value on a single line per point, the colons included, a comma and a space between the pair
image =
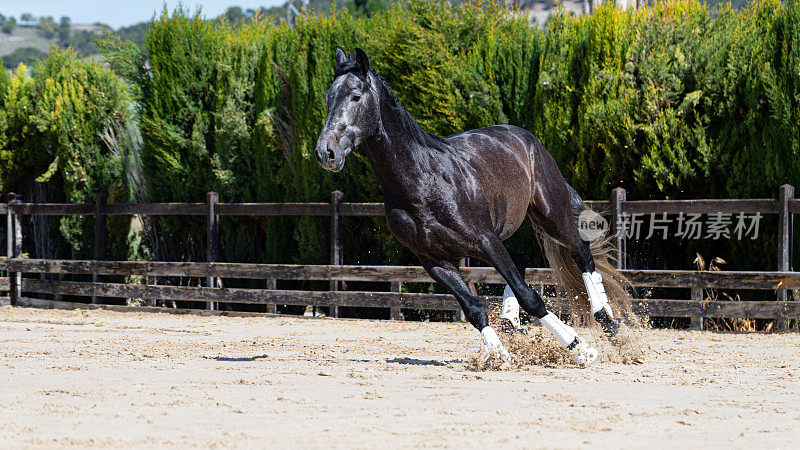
x: 340, y: 56
x: 362, y: 61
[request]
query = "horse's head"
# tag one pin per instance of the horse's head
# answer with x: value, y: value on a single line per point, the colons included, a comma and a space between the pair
x: 352, y: 104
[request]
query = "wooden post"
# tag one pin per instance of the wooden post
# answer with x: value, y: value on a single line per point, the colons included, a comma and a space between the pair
x: 697, y: 296
x: 17, y: 254
x: 458, y: 316
x: 336, y: 241
x: 395, y: 313
x: 471, y: 285
x: 153, y: 281
x: 785, y: 193
x: 618, y: 197
x: 13, y: 249
x: 212, y: 238
x: 272, y: 308
x: 99, y: 233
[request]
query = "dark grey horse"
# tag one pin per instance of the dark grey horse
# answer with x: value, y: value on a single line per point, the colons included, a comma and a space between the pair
x: 461, y: 196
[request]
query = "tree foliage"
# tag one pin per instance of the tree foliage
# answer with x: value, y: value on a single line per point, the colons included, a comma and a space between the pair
x: 50, y: 125
x: 667, y: 99
x: 23, y: 55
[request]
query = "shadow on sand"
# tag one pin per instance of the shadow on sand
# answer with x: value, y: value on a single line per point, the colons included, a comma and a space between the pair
x: 419, y: 362
x: 242, y: 359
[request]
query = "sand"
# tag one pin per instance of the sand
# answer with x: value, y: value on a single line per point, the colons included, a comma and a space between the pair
x: 110, y: 379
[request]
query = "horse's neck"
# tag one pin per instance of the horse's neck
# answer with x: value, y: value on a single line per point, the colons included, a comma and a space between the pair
x: 397, y: 123
x: 398, y: 151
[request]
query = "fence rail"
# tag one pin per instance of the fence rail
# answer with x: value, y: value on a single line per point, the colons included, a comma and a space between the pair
x: 784, y: 206
x: 652, y: 278
x: 407, y: 274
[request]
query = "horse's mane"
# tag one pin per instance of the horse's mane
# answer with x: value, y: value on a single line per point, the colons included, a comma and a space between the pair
x: 432, y: 140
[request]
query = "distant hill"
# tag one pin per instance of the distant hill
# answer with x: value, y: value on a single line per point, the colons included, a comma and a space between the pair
x: 29, y: 44
x: 23, y: 44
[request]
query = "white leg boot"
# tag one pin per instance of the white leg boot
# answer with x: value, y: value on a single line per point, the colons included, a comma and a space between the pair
x: 582, y: 353
x: 510, y: 309
x: 601, y: 310
x: 492, y: 343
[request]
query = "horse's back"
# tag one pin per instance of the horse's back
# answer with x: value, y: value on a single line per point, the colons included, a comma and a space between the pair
x: 501, y: 158
x: 497, y: 150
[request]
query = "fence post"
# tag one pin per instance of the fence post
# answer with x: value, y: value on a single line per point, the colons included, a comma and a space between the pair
x: 272, y: 284
x: 99, y: 233
x: 618, y: 197
x: 395, y: 313
x: 212, y: 238
x: 151, y: 280
x: 785, y: 193
x: 336, y: 242
x: 14, y: 249
x: 458, y: 316
x: 9, y: 235
x: 697, y: 296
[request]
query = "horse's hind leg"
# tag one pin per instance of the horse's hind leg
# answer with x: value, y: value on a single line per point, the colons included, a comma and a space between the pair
x: 593, y: 282
x: 496, y: 254
x: 448, y: 274
x: 559, y: 225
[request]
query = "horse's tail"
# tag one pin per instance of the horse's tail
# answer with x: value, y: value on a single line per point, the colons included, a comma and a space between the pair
x: 569, y: 277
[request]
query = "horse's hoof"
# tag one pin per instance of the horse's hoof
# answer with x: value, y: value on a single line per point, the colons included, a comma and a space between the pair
x: 492, y: 344
x: 498, y: 353
x: 506, y: 326
x: 584, y: 355
x: 610, y: 326
x: 510, y: 308
x: 512, y: 318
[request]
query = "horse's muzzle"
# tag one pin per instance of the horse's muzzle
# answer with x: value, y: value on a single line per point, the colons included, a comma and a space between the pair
x: 331, y: 152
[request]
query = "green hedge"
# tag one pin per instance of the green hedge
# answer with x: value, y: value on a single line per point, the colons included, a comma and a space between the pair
x: 667, y: 101
x: 51, y: 147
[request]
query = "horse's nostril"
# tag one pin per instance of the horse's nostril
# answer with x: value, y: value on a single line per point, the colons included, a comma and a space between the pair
x: 330, y: 154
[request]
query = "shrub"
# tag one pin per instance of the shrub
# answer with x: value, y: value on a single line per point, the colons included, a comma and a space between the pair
x: 50, y: 144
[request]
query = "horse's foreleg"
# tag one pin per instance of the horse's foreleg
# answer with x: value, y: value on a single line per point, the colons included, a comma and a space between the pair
x: 582, y: 353
x: 447, y: 274
x: 510, y: 308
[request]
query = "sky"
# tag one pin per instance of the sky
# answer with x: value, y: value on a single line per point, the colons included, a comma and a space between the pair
x: 119, y: 13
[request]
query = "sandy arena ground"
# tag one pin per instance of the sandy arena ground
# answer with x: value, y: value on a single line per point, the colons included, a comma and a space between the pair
x: 107, y: 379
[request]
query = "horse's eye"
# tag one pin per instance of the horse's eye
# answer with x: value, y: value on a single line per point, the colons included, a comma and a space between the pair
x: 356, y: 97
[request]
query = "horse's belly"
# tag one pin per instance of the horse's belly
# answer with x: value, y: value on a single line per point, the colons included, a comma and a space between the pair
x: 504, y: 174
x: 507, y: 219
x: 508, y: 191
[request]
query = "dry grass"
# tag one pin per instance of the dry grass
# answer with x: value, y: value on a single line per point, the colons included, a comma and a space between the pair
x: 712, y: 295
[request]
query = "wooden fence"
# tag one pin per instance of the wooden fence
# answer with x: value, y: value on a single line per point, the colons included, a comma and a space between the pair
x: 21, y: 288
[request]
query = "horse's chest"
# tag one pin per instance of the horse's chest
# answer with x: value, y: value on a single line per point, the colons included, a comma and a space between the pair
x: 425, y: 233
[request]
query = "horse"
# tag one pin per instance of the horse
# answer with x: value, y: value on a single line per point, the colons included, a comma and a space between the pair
x: 460, y: 196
